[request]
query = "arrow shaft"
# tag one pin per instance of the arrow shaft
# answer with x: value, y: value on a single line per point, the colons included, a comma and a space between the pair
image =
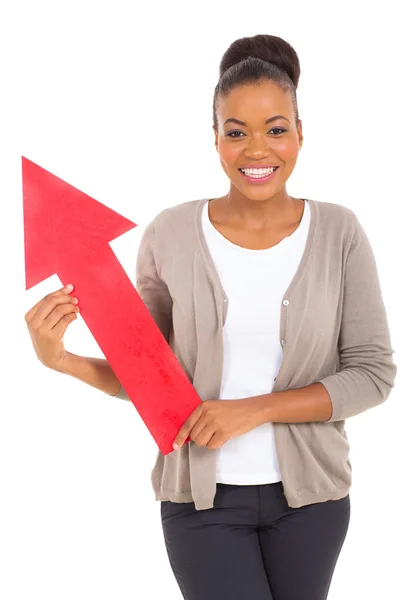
x: 132, y: 343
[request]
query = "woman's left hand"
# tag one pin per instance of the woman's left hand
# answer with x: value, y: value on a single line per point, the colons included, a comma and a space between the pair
x: 214, y: 422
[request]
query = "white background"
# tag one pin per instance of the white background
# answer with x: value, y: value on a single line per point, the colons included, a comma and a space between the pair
x: 116, y: 99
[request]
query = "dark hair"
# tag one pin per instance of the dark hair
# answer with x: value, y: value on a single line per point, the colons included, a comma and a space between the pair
x: 256, y: 59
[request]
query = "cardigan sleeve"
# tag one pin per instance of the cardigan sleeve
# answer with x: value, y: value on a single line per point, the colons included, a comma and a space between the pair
x: 151, y: 288
x: 367, y: 371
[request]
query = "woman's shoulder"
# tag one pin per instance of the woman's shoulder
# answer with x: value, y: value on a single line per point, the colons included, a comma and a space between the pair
x: 331, y: 209
x: 332, y: 215
x: 177, y: 216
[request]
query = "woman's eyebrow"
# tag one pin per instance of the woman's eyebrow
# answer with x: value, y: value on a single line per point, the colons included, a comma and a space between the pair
x: 232, y: 120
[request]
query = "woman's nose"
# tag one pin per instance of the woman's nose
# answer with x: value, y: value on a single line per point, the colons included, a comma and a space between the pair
x: 258, y: 146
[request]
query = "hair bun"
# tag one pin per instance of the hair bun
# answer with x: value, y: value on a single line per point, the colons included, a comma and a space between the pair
x: 269, y: 48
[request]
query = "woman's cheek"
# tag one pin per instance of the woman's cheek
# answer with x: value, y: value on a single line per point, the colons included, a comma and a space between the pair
x: 229, y: 160
x: 229, y: 153
x: 286, y: 149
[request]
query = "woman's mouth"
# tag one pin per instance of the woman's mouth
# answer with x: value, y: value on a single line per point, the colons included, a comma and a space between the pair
x: 258, y: 176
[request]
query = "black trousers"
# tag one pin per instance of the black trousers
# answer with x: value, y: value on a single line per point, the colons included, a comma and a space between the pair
x: 252, y: 546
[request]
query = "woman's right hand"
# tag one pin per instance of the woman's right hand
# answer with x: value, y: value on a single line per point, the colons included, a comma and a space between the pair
x: 47, y: 322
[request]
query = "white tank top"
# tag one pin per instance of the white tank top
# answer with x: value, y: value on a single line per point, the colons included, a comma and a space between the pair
x: 255, y: 282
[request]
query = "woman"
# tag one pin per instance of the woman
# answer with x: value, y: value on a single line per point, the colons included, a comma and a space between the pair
x: 272, y: 305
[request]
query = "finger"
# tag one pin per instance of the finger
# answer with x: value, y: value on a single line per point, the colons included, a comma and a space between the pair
x: 33, y: 311
x: 61, y: 313
x: 187, y: 427
x: 59, y: 330
x: 216, y: 441
x: 204, y: 434
x: 200, y: 428
x: 52, y: 310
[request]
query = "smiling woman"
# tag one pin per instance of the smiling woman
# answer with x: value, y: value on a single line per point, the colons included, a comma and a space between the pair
x: 256, y: 504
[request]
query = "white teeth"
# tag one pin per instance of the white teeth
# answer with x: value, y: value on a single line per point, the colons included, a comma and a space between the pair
x: 257, y: 173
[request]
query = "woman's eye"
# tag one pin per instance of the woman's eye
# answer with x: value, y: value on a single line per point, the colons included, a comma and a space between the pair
x: 278, y: 129
x: 232, y: 132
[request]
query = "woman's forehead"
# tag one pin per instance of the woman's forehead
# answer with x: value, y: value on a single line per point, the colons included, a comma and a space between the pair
x: 251, y: 100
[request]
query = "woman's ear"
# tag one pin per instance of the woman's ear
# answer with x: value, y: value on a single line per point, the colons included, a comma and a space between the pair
x: 300, y: 132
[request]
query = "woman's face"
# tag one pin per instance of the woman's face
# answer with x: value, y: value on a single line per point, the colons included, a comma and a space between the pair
x: 255, y: 142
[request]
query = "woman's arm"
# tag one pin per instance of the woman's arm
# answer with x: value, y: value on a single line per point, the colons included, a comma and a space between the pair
x: 94, y: 371
x: 367, y: 370
x: 301, y: 405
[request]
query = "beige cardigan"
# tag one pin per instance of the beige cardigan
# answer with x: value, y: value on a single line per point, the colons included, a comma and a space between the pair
x: 333, y: 330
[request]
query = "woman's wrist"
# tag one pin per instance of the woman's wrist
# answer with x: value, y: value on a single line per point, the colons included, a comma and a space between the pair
x: 96, y: 372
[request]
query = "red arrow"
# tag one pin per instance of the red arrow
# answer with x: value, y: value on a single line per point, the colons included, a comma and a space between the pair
x: 68, y: 233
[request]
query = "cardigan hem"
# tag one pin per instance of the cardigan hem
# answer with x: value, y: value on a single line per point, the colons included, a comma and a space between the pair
x: 305, y: 498
x: 294, y: 501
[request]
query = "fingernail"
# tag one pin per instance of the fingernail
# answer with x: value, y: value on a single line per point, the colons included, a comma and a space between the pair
x: 69, y: 286
x: 175, y: 446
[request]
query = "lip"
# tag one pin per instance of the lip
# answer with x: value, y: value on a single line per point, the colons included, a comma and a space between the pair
x: 258, y: 180
x: 257, y: 166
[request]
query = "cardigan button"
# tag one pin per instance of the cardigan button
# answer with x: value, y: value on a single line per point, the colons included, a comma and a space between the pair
x: 285, y: 302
